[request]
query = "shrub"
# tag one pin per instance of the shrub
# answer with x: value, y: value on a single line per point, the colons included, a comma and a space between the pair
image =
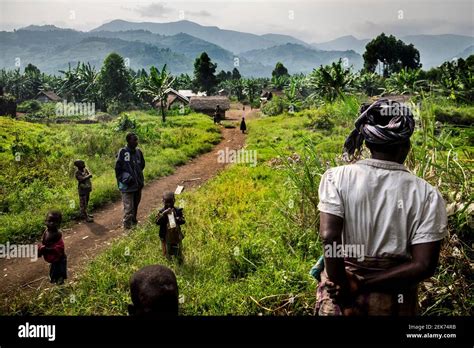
x: 459, y: 116
x: 116, y: 107
x: 7, y: 105
x: 46, y: 111
x: 178, y: 110
x: 29, y: 106
x: 323, y: 122
x: 274, y: 107
x: 125, y: 122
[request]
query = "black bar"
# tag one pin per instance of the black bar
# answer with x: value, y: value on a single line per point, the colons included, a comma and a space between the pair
x: 288, y: 331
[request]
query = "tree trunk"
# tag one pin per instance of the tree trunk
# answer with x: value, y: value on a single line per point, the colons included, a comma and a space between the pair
x: 163, y: 116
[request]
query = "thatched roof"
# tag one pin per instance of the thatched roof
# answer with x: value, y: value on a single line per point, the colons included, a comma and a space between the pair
x: 209, y: 103
x: 50, y: 95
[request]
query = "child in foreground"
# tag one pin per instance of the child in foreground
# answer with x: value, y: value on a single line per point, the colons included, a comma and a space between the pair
x: 154, y: 292
x: 170, y: 219
x: 52, y: 248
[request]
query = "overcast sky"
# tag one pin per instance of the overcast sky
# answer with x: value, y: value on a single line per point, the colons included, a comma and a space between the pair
x: 308, y: 20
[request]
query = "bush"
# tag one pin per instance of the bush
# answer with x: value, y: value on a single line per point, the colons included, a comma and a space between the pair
x: 323, y: 122
x: 46, y: 111
x: 275, y: 106
x: 29, y: 106
x: 116, y: 107
x: 125, y: 122
x: 459, y: 116
x: 178, y: 110
x: 8, y: 105
x: 255, y: 104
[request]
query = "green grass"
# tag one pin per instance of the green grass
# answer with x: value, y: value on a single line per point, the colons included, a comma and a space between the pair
x: 38, y: 170
x: 251, y: 233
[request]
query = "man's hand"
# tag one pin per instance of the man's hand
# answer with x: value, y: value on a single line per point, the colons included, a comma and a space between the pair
x: 343, y: 295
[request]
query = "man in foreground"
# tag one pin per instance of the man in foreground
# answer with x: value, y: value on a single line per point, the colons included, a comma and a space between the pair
x: 378, y: 206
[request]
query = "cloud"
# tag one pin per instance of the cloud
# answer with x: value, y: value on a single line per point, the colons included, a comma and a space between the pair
x: 154, y: 10
x: 202, y: 13
x: 160, y: 10
x: 409, y: 27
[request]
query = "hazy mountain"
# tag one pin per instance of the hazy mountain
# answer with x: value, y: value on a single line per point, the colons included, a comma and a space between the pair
x: 466, y: 53
x: 234, y: 41
x: 51, y: 51
x: 177, y: 44
x: 434, y: 49
x: 283, y: 39
x: 189, y: 46
x: 297, y: 58
x: 343, y: 43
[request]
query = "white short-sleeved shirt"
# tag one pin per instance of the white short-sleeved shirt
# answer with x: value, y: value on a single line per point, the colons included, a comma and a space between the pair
x: 384, y: 207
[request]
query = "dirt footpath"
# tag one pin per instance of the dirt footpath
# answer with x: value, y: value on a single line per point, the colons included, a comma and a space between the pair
x: 83, y: 241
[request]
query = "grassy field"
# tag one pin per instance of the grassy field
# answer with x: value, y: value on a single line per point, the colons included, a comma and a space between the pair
x: 38, y: 172
x: 251, y: 232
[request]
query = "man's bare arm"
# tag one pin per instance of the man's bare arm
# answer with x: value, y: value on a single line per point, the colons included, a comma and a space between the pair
x: 422, y: 265
x: 330, y: 231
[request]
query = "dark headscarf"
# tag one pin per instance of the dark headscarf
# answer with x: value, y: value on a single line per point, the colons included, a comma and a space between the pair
x: 382, y: 122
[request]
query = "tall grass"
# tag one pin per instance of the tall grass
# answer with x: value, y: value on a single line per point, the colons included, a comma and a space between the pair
x: 251, y: 233
x: 242, y: 256
x: 38, y: 170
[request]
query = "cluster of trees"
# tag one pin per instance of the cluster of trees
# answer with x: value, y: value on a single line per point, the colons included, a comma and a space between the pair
x: 116, y: 87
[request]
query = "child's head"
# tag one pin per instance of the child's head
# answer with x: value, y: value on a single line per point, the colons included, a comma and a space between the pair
x: 154, y: 292
x: 80, y: 164
x: 53, y: 220
x: 168, y: 199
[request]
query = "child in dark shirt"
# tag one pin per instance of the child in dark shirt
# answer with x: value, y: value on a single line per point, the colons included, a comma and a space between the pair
x: 154, y: 292
x: 170, y: 219
x: 52, y: 248
x: 84, y: 187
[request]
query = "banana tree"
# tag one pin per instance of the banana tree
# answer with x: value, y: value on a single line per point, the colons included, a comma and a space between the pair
x: 251, y: 89
x: 155, y: 87
x: 330, y: 81
x: 292, y: 94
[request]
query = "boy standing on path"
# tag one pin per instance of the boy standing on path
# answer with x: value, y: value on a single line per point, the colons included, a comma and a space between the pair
x: 170, y: 219
x: 129, y: 173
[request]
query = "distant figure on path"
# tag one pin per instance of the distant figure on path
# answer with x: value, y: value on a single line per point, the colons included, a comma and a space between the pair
x: 243, y: 126
x: 84, y: 187
x: 129, y: 174
x: 154, y: 292
x: 388, y: 222
x: 217, y: 114
x: 52, y: 248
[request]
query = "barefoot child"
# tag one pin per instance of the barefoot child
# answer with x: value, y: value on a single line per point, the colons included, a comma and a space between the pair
x: 154, y: 292
x: 84, y: 187
x: 52, y: 248
x: 170, y: 219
